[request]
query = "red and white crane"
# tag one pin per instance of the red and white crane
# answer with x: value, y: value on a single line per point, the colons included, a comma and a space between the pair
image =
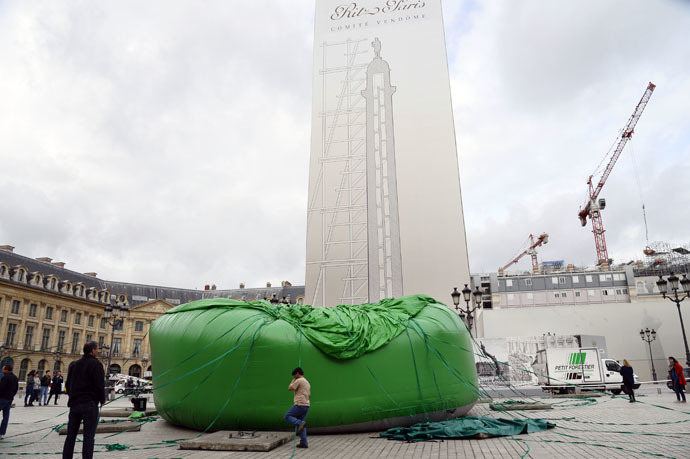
x: 541, y: 239
x: 593, y: 207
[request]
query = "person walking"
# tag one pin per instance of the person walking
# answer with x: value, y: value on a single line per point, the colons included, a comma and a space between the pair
x: 676, y: 371
x: 297, y: 414
x: 56, y: 388
x: 28, y: 398
x: 9, y: 385
x: 37, y: 389
x: 45, y: 387
x: 86, y: 389
x: 628, y: 380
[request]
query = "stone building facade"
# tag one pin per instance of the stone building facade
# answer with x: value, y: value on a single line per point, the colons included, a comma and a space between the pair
x: 48, y: 312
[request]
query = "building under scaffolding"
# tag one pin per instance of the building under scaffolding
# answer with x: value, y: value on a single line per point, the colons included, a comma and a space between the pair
x: 662, y: 258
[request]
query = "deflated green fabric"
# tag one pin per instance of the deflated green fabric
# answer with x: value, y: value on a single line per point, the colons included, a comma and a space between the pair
x: 467, y: 427
x: 226, y: 364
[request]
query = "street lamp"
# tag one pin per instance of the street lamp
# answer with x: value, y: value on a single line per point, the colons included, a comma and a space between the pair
x: 118, y: 314
x: 467, y: 295
x: 649, y: 336
x: 663, y: 288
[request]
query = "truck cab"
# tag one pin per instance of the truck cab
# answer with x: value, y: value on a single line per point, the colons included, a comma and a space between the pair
x: 612, y: 375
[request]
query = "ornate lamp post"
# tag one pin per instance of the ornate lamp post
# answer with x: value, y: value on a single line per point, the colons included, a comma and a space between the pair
x: 663, y: 288
x: 118, y: 314
x: 649, y: 336
x: 467, y: 312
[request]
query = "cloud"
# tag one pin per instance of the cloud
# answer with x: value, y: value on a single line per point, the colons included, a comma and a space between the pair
x: 168, y: 143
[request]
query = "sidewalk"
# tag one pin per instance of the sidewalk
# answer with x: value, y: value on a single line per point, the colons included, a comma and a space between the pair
x: 607, y: 428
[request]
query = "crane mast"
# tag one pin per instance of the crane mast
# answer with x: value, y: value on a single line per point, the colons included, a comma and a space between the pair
x: 593, y: 208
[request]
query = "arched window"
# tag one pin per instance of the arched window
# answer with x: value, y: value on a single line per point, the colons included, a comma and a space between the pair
x: 149, y: 368
x: 115, y: 368
x: 23, y: 369
x: 42, y: 367
x: 3, y: 271
x: 56, y: 366
x: 135, y: 370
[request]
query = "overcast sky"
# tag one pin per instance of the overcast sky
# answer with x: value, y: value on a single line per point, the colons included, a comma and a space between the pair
x: 168, y: 142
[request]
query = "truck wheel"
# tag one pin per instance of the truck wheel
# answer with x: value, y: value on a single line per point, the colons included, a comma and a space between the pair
x: 615, y: 391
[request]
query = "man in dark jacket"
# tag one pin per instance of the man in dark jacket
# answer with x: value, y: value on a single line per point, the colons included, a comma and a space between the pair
x: 8, y: 389
x: 86, y: 389
x: 45, y: 387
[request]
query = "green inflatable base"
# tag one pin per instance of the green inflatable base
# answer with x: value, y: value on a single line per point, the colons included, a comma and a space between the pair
x: 225, y: 364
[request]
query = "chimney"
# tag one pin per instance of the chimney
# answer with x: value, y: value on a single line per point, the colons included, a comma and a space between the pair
x: 44, y: 259
x: 91, y: 274
x: 570, y: 268
x: 500, y: 271
x: 59, y: 264
x: 7, y: 248
x: 213, y: 286
x: 268, y: 284
x: 207, y: 287
x: 241, y: 284
x: 286, y: 284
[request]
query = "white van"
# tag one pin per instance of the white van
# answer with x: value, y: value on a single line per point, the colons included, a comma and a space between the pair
x: 564, y: 370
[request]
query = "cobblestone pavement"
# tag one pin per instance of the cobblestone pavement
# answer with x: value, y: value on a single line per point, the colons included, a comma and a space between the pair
x: 609, y: 428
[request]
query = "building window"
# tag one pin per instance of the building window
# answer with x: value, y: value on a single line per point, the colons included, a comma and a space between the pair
x: 509, y: 282
x: 136, y: 350
x: 528, y: 282
x: 139, y: 326
x: 49, y: 313
x: 11, y: 333
x: 63, y: 316
x: 605, y: 292
x: 15, y: 306
x: 61, y: 340
x: 91, y: 319
x: 530, y: 296
x: 23, y: 368
x: 118, y: 325
x: 101, y: 341
x: 556, y: 295
x: 575, y: 279
x: 605, y: 277
x: 77, y: 318
x: 89, y: 338
x: 45, y: 339
x: 561, y: 280
x: 75, y: 343
x: 20, y: 275
x: 577, y: 294
x: 590, y: 292
x: 28, y: 337
x: 564, y: 294
x: 103, y: 322
x: 32, y: 310
x: 589, y: 278
x: 51, y: 284
x: 117, y: 345
x: 625, y: 291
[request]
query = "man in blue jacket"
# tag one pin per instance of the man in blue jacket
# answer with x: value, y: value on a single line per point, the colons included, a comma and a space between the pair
x: 86, y: 389
x: 8, y: 389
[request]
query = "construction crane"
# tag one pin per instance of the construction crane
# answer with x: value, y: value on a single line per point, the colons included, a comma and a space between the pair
x: 593, y: 207
x: 541, y: 240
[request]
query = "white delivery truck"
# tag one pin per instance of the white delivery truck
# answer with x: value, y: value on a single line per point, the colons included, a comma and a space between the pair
x: 563, y: 370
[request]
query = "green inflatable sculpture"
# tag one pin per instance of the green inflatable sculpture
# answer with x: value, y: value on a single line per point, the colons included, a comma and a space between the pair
x: 222, y: 364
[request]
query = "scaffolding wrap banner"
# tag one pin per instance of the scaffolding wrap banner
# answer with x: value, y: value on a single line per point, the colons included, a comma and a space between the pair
x: 384, y: 208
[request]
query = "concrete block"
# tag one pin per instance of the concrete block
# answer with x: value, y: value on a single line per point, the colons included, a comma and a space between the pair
x: 109, y: 427
x: 238, y: 441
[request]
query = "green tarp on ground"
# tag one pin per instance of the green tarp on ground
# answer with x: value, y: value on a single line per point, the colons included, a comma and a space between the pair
x: 467, y: 427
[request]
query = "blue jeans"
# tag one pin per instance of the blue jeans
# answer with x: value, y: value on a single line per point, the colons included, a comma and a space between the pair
x: 678, y: 389
x: 296, y: 416
x: 44, y: 395
x: 5, y: 406
x: 89, y: 413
